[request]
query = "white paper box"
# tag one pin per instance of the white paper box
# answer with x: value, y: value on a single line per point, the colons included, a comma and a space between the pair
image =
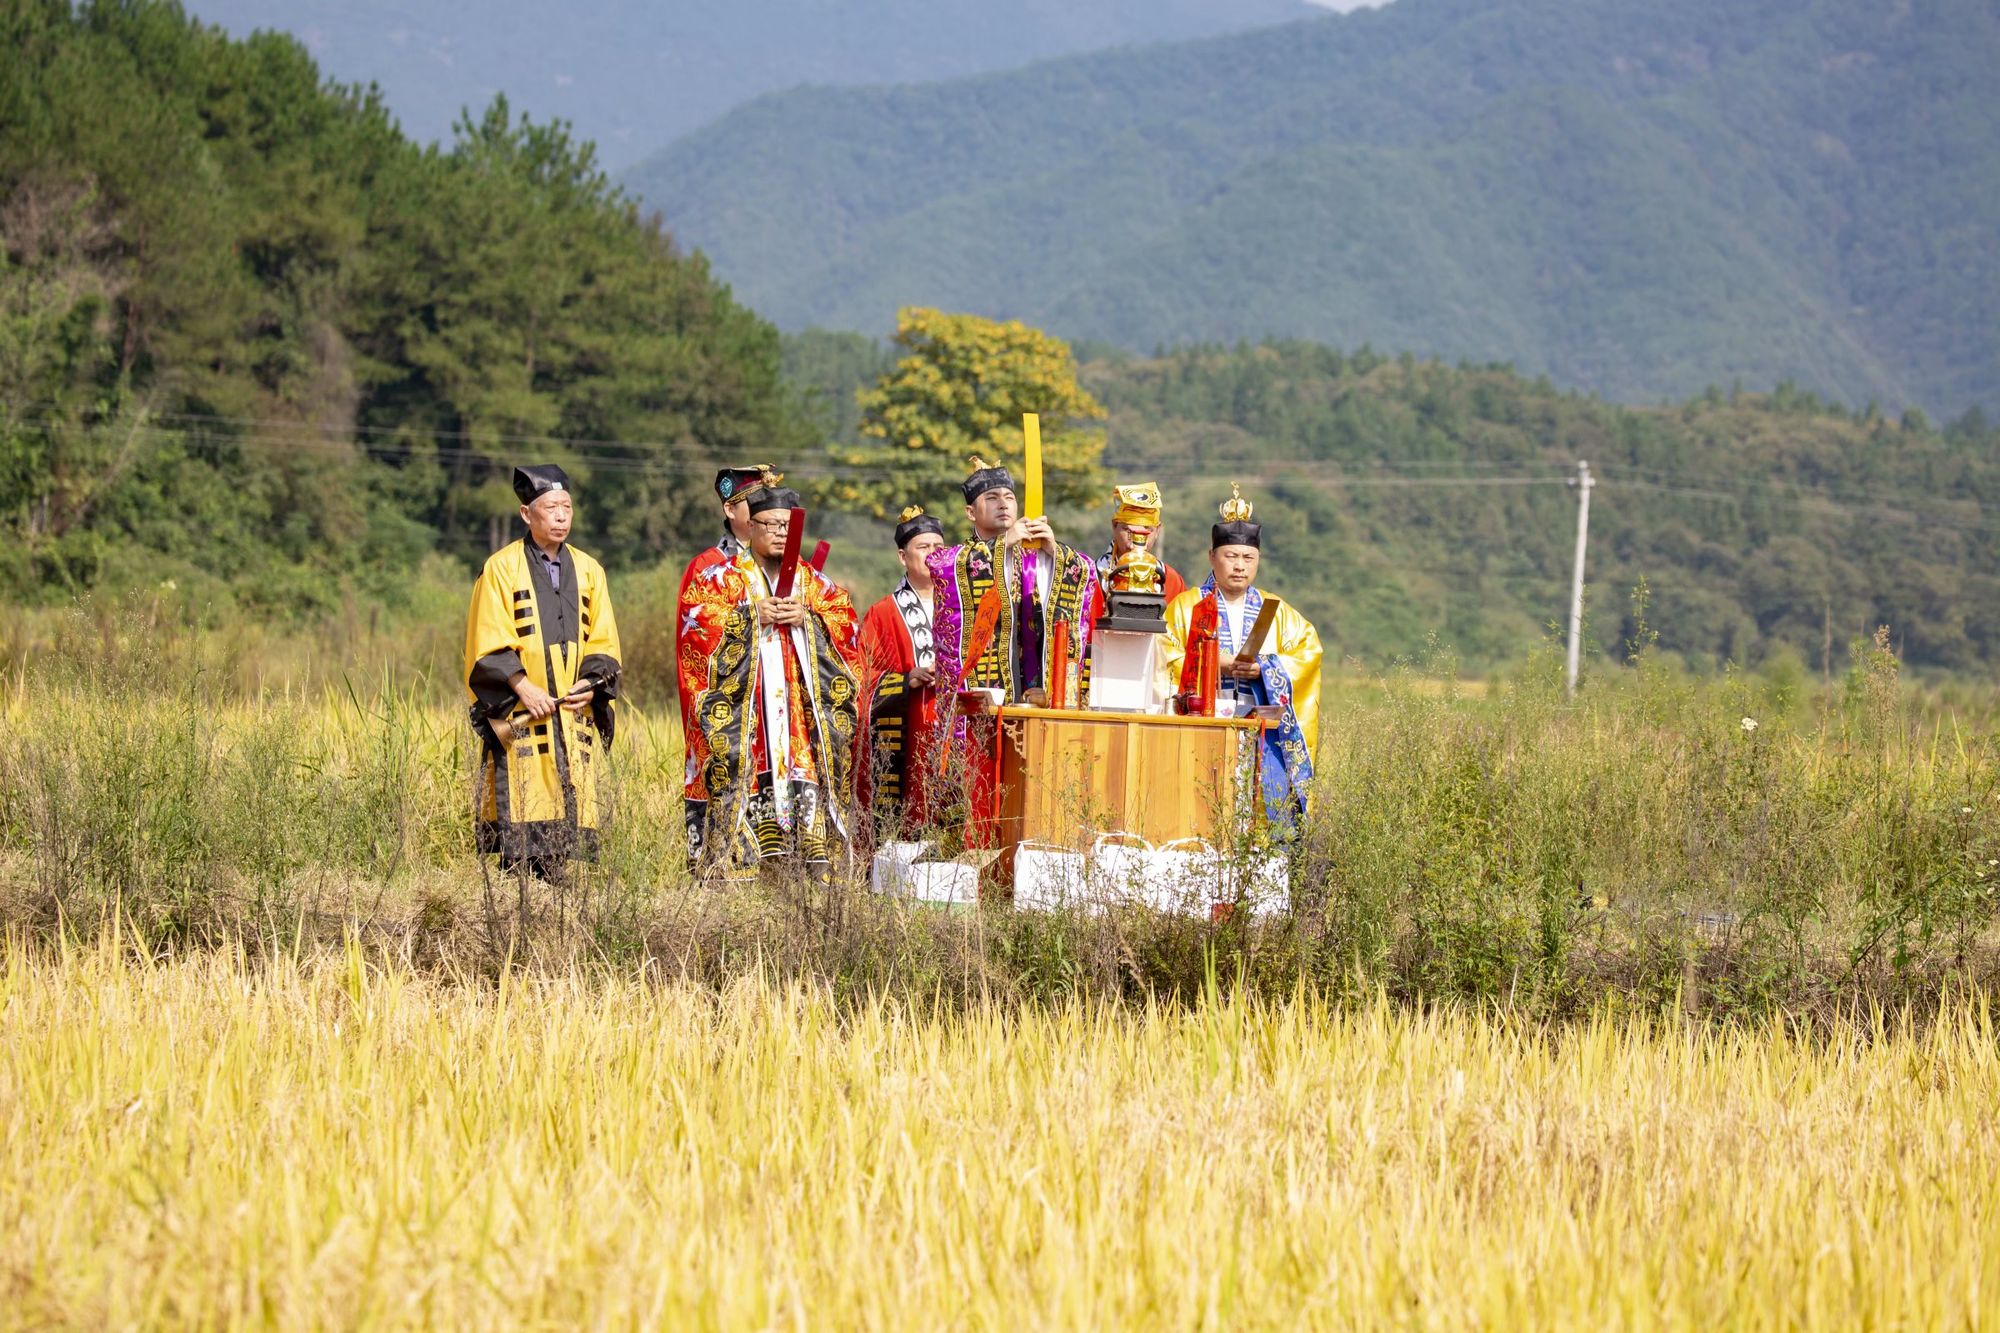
x: 1121, y: 671
x: 1263, y: 886
x: 1120, y: 864
x: 890, y: 870
x: 1049, y: 878
x: 1183, y: 877
x: 944, y: 882
x: 1189, y: 877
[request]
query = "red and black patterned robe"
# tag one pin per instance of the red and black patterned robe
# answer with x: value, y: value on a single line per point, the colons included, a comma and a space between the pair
x: 773, y: 712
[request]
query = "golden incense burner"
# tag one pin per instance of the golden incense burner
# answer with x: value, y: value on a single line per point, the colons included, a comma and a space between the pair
x: 1138, y: 570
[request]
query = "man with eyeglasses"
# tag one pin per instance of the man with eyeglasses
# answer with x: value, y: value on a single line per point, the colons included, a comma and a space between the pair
x: 777, y: 711
x: 541, y: 672
x: 734, y: 487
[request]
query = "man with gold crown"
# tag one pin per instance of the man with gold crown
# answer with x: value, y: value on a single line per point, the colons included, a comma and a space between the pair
x: 775, y: 709
x: 1131, y: 563
x: 733, y: 488
x: 899, y: 680
x: 541, y: 671
x: 1004, y: 596
x: 1282, y: 671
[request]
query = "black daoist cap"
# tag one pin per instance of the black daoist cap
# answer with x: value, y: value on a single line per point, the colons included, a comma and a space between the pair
x: 914, y: 523
x: 1235, y: 529
x: 535, y: 480
x: 775, y: 497
x: 984, y: 479
x: 733, y: 483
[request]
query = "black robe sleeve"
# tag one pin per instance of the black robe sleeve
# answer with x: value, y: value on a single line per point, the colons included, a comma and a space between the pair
x: 602, y: 671
x: 491, y: 693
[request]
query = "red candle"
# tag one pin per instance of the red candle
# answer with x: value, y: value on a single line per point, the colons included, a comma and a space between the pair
x: 1209, y: 676
x: 1059, y: 666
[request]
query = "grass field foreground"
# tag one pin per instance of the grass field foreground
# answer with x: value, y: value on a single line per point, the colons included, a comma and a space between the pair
x: 320, y: 1140
x: 1742, y: 844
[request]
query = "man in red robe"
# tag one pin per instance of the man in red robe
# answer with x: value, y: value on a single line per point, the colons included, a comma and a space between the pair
x: 899, y: 684
x: 1135, y: 524
x: 1132, y: 563
x: 776, y: 719
x: 734, y: 488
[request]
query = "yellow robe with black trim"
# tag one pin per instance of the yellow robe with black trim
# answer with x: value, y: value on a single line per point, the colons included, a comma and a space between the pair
x: 539, y: 794
x: 1293, y: 641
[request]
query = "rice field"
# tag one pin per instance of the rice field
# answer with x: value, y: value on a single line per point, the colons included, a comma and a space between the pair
x: 1741, y: 845
x: 320, y: 1138
x: 1669, y: 1007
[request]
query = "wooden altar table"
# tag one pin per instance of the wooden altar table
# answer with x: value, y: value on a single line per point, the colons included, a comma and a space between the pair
x: 1065, y: 776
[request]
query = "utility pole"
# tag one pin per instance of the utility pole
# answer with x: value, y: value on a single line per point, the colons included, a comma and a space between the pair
x: 1582, y: 481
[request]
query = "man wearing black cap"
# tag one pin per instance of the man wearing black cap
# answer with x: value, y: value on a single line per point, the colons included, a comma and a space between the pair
x: 541, y: 672
x: 898, y: 676
x: 1002, y: 597
x: 734, y: 487
x: 776, y: 712
x: 1283, y: 673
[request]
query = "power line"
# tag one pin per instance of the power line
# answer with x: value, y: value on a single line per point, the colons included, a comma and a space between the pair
x: 1268, y: 470
x: 1981, y: 526
x: 688, y: 459
x: 261, y: 426
x: 621, y: 453
x: 1694, y: 485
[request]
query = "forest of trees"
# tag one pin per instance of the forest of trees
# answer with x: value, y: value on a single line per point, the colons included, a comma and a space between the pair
x: 1405, y: 499
x: 255, y: 342
x: 1411, y: 498
x: 258, y: 349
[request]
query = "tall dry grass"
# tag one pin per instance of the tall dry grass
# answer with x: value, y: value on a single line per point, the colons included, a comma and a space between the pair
x: 321, y: 1141
x: 1736, y: 844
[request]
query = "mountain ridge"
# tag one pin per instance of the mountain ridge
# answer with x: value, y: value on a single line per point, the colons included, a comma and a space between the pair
x: 632, y: 77
x: 1636, y: 203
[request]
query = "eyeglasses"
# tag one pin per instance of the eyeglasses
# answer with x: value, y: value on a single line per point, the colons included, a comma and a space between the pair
x: 772, y: 524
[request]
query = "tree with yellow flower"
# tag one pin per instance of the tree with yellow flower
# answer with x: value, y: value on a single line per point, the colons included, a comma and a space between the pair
x: 960, y: 389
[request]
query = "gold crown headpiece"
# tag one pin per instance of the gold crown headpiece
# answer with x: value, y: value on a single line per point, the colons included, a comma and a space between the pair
x: 1138, y: 504
x: 1235, y: 509
x: 914, y: 511
x: 979, y: 464
x: 769, y: 476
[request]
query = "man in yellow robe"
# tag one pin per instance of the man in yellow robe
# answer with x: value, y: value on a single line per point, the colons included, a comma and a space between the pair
x: 541, y: 672
x: 1284, y: 674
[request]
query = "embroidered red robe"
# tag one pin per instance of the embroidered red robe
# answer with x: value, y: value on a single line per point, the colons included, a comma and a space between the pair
x: 900, y: 732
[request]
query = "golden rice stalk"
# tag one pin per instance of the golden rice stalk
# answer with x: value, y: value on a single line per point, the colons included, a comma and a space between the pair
x: 322, y: 1142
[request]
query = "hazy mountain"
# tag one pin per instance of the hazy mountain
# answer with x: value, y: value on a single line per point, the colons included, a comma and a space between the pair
x: 634, y: 76
x: 1638, y: 198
